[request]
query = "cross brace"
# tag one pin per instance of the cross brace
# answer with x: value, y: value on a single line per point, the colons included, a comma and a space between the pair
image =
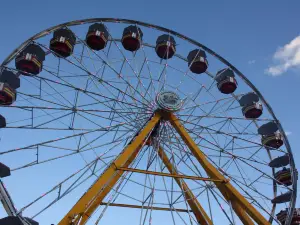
x: 145, y: 207
x: 87, y: 204
x: 174, y: 175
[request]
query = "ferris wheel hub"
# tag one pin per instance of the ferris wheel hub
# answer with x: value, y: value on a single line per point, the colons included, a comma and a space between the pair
x: 169, y: 101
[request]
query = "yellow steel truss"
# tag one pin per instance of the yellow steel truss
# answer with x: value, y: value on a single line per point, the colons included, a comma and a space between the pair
x: 145, y: 207
x: 199, y: 212
x: 171, y: 174
x: 87, y: 204
x: 240, y: 204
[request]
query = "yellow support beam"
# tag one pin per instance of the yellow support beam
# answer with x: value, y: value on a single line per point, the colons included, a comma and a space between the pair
x: 240, y: 204
x: 145, y: 207
x: 88, y: 203
x: 241, y: 213
x: 174, y: 175
x: 193, y: 202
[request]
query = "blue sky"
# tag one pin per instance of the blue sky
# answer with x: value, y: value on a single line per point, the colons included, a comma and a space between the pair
x: 248, y: 34
x: 241, y: 32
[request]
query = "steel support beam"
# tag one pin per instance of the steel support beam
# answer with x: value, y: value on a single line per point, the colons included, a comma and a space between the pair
x: 240, y: 204
x: 88, y: 203
x: 145, y: 207
x: 94, y: 197
x: 193, y: 202
x: 173, y: 175
x: 241, y: 213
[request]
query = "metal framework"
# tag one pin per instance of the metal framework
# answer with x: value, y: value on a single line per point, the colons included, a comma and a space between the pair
x: 117, y: 169
x: 89, y: 202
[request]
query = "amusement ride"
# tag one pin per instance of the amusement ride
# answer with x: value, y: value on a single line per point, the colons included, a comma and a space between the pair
x: 106, y: 121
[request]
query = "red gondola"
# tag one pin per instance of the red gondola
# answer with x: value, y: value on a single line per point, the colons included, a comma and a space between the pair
x: 284, y: 176
x: 7, y: 94
x: 271, y: 137
x: 63, y: 42
x: 165, y: 46
x: 227, y: 86
x: 97, y: 36
x: 281, y: 216
x: 30, y: 61
x: 197, y: 61
x: 274, y: 140
x: 280, y: 161
x: 226, y: 81
x: 251, y: 107
x: 253, y: 111
x: 10, y: 78
x: 131, y: 39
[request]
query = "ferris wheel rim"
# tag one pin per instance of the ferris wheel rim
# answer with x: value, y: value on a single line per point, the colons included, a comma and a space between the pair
x: 181, y: 36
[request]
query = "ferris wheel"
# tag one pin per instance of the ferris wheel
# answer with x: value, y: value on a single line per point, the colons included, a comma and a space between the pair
x: 107, y: 121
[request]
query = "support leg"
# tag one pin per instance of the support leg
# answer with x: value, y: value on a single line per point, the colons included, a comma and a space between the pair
x: 227, y: 190
x: 88, y: 203
x: 241, y: 213
x: 196, y: 207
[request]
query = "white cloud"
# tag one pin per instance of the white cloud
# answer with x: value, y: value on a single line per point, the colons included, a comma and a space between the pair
x: 287, y: 133
x: 250, y: 62
x: 286, y: 57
